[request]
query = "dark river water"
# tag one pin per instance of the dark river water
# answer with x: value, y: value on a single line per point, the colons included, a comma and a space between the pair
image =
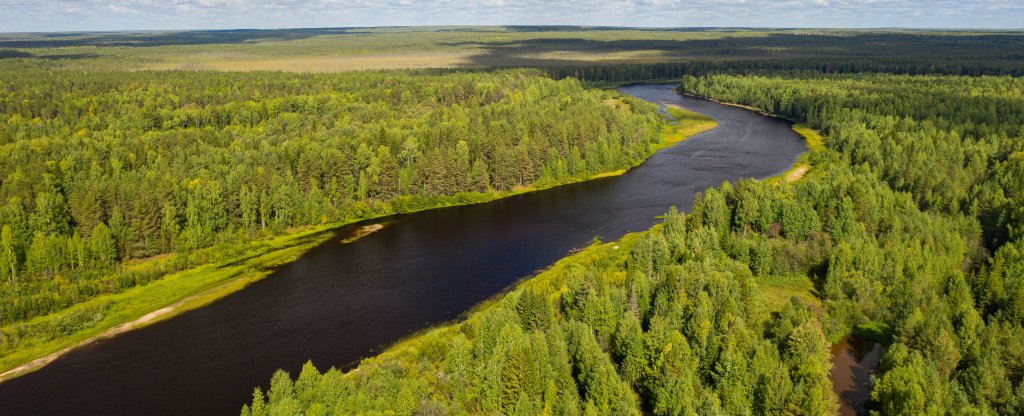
x: 342, y: 302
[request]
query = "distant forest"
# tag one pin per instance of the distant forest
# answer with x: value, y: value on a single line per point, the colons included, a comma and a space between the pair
x: 594, y: 54
x: 125, y: 157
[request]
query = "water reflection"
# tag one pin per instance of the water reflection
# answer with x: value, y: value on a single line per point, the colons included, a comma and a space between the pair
x: 853, y: 362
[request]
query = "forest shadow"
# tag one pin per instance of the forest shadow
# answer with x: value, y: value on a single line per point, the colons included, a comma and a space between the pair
x: 904, y: 47
x: 150, y: 39
x: 13, y: 54
x: 529, y: 28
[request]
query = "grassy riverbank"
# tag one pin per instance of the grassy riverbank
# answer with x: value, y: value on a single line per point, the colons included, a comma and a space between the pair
x: 604, y: 331
x: 803, y: 165
x: 772, y: 295
x: 674, y: 271
x: 30, y: 345
x: 45, y: 338
x: 773, y: 292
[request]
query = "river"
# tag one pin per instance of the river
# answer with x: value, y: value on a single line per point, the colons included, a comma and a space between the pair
x: 342, y: 302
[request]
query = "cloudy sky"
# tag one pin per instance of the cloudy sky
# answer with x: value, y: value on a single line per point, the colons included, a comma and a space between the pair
x: 73, y: 15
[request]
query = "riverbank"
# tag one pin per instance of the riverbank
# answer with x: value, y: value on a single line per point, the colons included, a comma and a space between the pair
x: 538, y: 315
x: 109, y: 315
x: 803, y: 165
x: 811, y: 137
x: 774, y: 293
x: 145, y: 305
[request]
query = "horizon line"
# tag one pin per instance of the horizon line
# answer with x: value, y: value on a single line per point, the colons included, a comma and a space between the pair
x: 642, y: 28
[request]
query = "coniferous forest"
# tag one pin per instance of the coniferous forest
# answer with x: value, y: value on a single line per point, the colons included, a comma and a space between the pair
x: 904, y: 225
x: 102, y: 169
x: 907, y: 228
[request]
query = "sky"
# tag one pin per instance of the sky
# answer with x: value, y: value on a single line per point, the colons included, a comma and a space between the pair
x: 103, y: 15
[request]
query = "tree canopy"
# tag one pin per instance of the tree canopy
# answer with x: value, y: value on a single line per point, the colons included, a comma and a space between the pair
x: 99, y: 168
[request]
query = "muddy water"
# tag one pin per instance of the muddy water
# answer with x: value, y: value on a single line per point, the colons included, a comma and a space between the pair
x: 853, y: 361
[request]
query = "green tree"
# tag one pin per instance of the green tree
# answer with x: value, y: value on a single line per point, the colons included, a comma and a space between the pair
x: 102, y: 245
x: 8, y: 257
x: 481, y: 178
x: 169, y: 225
x: 386, y: 184
x: 51, y: 214
x: 534, y: 311
x: 461, y: 171
x: 248, y: 207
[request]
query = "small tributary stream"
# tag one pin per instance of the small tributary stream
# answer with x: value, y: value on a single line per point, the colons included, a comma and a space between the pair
x: 853, y: 362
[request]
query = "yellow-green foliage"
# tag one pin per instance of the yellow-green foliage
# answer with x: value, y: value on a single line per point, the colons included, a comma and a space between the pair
x: 811, y: 137
x: 919, y: 183
x: 640, y: 323
x: 687, y: 124
x: 103, y: 167
x: 178, y: 292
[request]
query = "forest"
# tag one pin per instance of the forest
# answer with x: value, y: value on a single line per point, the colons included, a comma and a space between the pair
x: 661, y: 322
x: 106, y: 170
x: 606, y: 54
x: 133, y: 160
x: 908, y: 227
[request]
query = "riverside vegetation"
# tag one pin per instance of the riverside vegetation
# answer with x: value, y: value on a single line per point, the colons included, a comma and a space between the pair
x: 731, y: 309
x: 113, y: 180
x: 125, y: 190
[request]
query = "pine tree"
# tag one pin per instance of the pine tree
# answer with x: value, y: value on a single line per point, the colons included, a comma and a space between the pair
x: 481, y: 179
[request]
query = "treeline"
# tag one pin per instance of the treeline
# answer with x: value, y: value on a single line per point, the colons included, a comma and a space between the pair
x: 619, y: 73
x: 697, y: 319
x: 705, y: 314
x: 953, y: 143
x: 820, y: 52
x: 103, y: 167
x: 954, y: 148
x: 663, y: 323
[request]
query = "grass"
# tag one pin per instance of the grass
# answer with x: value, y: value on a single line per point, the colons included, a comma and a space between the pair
x: 180, y: 291
x: 553, y: 281
x: 776, y: 291
x: 173, y: 294
x: 687, y: 124
x: 802, y: 166
x: 874, y: 331
x: 811, y: 136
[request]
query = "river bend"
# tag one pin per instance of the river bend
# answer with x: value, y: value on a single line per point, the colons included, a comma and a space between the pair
x: 342, y: 302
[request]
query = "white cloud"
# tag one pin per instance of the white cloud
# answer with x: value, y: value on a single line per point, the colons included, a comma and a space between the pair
x: 118, y: 9
x: 69, y: 15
